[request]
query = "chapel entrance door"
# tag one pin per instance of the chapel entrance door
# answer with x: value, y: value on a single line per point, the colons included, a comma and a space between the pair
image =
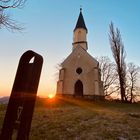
x: 78, y: 89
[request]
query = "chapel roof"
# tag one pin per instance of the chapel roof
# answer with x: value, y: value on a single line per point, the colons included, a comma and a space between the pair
x: 80, y: 22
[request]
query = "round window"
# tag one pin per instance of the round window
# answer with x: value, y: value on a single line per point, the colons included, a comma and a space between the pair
x: 79, y: 70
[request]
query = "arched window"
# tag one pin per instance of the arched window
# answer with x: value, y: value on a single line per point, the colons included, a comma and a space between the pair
x: 79, y: 36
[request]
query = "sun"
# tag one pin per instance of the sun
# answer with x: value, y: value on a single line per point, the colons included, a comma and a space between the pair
x: 51, y: 96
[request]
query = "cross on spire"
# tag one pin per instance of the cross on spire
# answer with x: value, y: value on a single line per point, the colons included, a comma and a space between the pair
x: 80, y: 8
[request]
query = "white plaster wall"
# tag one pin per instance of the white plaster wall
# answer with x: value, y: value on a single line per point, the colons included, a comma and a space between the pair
x: 80, y: 58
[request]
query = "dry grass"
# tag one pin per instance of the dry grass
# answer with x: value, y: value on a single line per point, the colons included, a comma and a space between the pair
x: 77, y: 119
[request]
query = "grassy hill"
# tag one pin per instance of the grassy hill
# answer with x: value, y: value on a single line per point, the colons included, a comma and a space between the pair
x: 77, y: 119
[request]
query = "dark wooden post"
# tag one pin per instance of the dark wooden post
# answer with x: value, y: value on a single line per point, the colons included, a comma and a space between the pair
x: 20, y: 108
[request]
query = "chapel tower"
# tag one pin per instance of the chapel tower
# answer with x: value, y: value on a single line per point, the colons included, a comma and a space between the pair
x: 80, y: 74
x: 80, y: 33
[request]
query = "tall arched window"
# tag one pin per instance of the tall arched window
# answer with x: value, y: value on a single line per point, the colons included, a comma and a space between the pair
x: 79, y: 35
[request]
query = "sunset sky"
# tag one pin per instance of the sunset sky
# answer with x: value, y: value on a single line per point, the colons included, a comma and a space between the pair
x: 49, y: 28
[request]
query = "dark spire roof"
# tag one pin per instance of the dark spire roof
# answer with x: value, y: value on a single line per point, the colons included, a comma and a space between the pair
x: 80, y: 22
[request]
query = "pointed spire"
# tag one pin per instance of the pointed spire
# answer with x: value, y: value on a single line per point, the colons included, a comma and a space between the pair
x: 80, y: 22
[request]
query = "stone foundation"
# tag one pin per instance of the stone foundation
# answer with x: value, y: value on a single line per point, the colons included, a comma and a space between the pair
x: 90, y: 97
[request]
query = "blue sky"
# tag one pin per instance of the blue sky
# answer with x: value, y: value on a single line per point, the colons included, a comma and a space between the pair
x: 49, y: 28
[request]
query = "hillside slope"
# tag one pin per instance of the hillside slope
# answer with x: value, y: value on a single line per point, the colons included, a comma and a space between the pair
x: 77, y: 119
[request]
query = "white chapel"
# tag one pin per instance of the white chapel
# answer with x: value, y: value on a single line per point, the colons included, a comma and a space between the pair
x: 80, y: 74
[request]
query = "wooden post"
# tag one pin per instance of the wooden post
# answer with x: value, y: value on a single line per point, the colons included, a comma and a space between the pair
x: 20, y: 108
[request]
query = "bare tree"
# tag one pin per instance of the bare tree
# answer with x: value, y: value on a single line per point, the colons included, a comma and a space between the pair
x: 132, y: 74
x: 118, y: 52
x: 5, y: 19
x: 108, y: 75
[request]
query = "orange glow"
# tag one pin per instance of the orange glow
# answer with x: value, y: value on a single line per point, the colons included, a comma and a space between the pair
x: 51, y: 96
